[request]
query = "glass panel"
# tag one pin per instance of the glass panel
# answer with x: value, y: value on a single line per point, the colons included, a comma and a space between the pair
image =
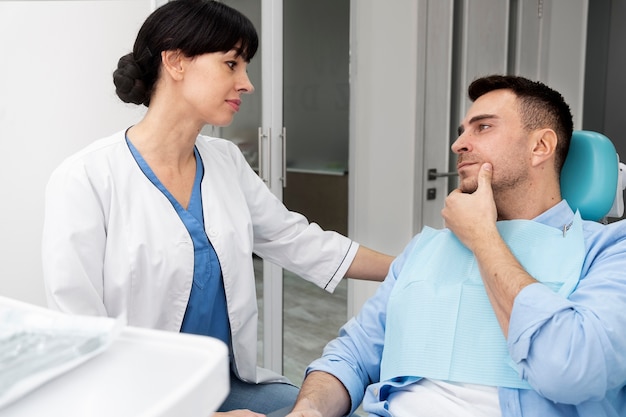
x: 316, y: 117
x: 243, y: 132
x: 316, y: 109
x: 316, y: 88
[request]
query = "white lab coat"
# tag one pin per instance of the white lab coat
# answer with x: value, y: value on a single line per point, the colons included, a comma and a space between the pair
x: 114, y: 245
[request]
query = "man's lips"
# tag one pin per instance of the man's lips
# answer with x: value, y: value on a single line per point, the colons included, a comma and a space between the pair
x: 463, y: 164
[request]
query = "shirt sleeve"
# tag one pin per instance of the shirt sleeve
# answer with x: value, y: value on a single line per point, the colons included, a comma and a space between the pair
x: 354, y: 357
x: 571, y: 350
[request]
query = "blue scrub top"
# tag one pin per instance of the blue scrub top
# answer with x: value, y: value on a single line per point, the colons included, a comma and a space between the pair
x: 206, y: 312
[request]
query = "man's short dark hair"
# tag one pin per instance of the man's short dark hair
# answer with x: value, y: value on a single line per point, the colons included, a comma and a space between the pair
x: 540, y: 107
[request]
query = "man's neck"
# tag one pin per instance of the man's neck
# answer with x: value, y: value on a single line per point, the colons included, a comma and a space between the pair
x: 526, y: 204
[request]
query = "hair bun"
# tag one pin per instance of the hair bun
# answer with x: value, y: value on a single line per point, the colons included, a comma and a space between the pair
x: 128, y: 80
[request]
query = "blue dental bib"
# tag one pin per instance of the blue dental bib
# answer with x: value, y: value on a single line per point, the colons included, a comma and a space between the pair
x: 440, y: 323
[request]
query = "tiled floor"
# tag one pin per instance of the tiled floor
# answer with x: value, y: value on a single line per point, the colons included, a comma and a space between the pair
x: 312, y: 317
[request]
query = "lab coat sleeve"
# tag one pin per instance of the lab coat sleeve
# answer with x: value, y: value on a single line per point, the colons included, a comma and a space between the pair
x: 288, y: 239
x: 572, y: 350
x: 73, y: 242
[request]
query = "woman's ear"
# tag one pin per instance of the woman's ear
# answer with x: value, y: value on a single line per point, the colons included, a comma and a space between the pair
x: 173, y: 63
x: 544, y: 145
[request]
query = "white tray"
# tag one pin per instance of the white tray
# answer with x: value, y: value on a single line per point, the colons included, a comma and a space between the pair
x: 144, y: 373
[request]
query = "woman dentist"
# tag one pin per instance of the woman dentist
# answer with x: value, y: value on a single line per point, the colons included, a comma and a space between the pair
x: 159, y: 223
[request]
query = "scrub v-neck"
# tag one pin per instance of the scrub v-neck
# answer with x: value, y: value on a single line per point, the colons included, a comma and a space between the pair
x: 206, y: 312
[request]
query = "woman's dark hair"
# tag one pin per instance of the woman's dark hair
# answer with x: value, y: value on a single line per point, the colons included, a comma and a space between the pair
x: 539, y: 107
x: 194, y: 27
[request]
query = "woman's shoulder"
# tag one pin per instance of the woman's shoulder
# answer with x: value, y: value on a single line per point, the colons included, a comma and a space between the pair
x: 96, y: 153
x: 218, y: 148
x: 100, y: 146
x: 204, y: 142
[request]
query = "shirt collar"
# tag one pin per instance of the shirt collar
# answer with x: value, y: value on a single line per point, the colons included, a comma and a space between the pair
x: 557, y: 215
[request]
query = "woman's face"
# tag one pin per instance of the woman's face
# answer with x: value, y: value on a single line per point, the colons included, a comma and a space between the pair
x: 213, y: 84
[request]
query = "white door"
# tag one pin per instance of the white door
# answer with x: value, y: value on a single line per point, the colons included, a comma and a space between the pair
x: 401, y: 102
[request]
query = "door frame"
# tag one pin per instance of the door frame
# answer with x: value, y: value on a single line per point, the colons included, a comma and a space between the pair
x: 272, y: 119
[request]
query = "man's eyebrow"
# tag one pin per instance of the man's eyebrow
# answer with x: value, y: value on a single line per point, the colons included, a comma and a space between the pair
x: 475, y: 119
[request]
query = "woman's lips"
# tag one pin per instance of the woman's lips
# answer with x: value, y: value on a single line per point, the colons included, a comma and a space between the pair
x: 235, y: 104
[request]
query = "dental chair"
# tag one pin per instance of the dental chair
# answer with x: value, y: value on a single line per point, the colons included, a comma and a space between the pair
x: 593, y: 179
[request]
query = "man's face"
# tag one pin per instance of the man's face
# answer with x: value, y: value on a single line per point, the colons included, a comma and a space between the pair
x: 492, y: 132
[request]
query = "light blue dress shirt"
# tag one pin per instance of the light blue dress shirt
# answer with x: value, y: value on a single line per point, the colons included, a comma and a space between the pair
x: 572, y: 351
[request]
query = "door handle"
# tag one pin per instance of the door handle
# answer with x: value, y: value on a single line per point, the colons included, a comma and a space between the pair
x: 261, y: 155
x: 284, y: 138
x: 433, y: 174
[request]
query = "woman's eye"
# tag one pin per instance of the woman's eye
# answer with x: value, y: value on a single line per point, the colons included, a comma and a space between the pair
x: 231, y: 64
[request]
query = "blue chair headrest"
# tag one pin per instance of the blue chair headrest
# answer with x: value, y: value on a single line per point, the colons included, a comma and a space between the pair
x: 589, y: 175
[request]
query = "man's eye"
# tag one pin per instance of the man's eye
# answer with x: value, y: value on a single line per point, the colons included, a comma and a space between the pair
x: 482, y: 127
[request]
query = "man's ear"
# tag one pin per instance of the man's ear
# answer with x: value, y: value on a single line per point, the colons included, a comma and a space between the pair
x: 173, y: 63
x: 544, y: 143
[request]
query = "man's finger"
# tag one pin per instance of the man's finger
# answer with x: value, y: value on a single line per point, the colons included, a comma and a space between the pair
x: 484, y: 176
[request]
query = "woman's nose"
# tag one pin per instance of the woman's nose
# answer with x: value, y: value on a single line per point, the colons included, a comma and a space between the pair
x: 245, y: 86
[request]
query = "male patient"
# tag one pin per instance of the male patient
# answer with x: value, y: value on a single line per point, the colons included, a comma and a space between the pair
x: 517, y: 308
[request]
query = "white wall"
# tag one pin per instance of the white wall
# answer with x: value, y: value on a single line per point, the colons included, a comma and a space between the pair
x: 383, y: 104
x: 552, y: 49
x: 56, y: 96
